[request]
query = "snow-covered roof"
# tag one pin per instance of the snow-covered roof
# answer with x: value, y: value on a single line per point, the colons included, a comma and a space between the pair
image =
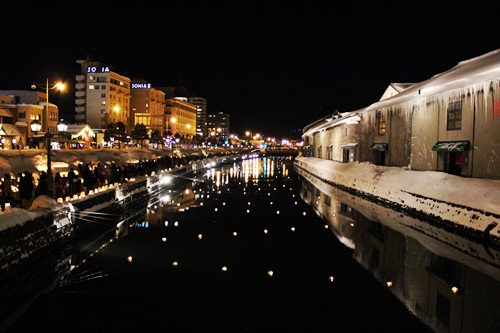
x: 332, y: 121
x: 80, y: 130
x: 394, y: 89
x: 480, y: 71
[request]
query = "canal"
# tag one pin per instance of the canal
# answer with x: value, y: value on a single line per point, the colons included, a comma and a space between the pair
x: 243, y: 247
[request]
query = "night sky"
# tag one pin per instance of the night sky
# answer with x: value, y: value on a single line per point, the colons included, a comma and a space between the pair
x: 274, y: 66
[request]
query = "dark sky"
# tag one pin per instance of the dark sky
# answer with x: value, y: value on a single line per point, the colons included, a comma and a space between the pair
x: 274, y: 66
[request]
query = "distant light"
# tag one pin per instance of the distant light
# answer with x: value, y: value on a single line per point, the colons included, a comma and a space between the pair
x: 304, y: 213
x: 175, y: 264
x: 224, y: 268
x: 265, y: 231
x: 389, y: 284
x: 129, y: 258
x: 216, y: 209
x: 248, y: 210
x: 278, y: 212
x: 331, y: 278
x: 326, y: 226
x: 292, y: 228
x: 270, y: 273
x: 454, y: 290
x: 200, y: 236
x: 176, y: 223
x: 164, y: 239
x: 166, y: 223
x: 235, y: 234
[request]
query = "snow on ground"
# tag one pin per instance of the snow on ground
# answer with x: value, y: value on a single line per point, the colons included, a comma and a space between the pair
x: 35, y: 160
x: 404, y: 187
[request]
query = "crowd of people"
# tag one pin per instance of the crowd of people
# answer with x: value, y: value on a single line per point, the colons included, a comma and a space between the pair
x: 21, y: 190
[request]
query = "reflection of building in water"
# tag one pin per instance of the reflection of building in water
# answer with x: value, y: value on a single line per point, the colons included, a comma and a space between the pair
x: 447, y: 280
x: 336, y: 213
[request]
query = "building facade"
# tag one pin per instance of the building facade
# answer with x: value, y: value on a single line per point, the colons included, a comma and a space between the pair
x: 201, y: 115
x: 449, y: 123
x: 180, y: 117
x: 147, y: 106
x: 102, y: 96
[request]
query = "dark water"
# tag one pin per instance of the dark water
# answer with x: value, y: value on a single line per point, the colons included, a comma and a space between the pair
x: 239, y: 252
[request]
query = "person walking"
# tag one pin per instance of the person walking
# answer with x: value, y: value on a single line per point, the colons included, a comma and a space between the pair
x: 26, y: 187
x: 71, y: 181
x: 7, y: 187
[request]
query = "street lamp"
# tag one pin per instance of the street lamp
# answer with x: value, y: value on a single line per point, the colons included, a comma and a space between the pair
x: 36, y: 126
x: 61, y: 129
x: 59, y: 86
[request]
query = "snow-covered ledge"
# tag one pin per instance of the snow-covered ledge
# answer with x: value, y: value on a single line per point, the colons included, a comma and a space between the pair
x: 468, y: 202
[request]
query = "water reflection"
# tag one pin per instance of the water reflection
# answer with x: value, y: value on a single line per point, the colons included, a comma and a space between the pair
x: 447, y: 280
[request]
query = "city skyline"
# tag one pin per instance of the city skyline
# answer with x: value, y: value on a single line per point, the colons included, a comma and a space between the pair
x: 274, y: 67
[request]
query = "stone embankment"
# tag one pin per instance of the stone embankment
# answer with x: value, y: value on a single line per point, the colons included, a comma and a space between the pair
x: 47, y: 225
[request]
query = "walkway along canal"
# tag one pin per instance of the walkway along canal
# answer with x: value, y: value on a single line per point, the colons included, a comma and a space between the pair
x: 236, y: 250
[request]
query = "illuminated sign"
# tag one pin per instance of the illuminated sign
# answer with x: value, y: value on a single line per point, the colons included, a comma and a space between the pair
x: 141, y: 85
x: 94, y: 69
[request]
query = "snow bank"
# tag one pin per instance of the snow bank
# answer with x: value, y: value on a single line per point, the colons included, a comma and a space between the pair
x: 470, y: 202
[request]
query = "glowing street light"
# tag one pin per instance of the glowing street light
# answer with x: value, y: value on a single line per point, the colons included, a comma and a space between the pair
x: 36, y: 127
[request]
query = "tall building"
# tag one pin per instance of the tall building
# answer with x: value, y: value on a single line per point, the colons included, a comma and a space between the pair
x: 218, y: 125
x: 201, y: 115
x: 180, y: 117
x: 102, y: 96
x: 147, y: 106
x: 222, y: 121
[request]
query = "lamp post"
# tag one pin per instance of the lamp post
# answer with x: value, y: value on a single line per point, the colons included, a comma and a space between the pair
x: 36, y: 126
x: 61, y: 129
x: 47, y: 87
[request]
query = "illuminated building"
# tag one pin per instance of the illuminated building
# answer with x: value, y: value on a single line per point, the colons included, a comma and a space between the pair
x: 147, y: 106
x: 102, y: 96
